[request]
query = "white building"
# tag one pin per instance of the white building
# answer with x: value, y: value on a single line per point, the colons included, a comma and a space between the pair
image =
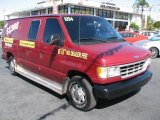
x: 117, y: 16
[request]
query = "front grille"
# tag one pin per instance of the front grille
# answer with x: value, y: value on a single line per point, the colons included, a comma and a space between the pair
x: 132, y: 69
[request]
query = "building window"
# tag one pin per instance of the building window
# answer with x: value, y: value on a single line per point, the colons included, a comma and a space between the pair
x: 32, y: 35
x: 39, y: 12
x: 43, y: 11
x: 50, y: 10
x: 34, y: 12
x: 104, y: 13
x: 100, y: 12
x: 120, y: 15
x: 109, y: 14
x: 63, y: 9
x: 52, y: 28
x: 82, y: 10
x: 121, y: 25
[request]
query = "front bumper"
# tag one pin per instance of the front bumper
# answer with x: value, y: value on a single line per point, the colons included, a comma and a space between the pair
x: 114, y: 90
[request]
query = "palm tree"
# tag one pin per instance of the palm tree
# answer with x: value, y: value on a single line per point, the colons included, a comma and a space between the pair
x: 140, y: 4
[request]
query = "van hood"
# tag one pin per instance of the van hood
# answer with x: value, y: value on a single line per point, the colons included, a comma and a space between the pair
x: 115, y: 53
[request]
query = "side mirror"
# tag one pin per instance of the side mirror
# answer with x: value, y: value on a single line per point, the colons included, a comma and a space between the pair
x: 56, y: 40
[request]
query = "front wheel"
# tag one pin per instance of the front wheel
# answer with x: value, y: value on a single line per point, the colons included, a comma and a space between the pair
x: 80, y: 94
x: 154, y: 52
x: 12, y: 65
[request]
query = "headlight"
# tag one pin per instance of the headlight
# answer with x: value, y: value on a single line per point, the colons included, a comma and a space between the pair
x: 106, y: 72
x: 146, y: 64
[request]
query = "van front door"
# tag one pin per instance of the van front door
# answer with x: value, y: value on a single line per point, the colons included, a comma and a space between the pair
x: 50, y: 60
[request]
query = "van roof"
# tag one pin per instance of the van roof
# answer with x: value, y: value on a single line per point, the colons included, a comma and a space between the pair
x: 50, y: 15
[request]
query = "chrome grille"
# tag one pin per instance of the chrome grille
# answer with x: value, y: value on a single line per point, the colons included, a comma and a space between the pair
x: 132, y: 69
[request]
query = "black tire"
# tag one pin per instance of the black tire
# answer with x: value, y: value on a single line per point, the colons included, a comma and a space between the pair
x: 154, y: 52
x: 12, y: 65
x: 82, y: 98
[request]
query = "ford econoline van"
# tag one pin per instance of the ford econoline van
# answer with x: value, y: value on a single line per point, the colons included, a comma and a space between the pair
x: 78, y: 55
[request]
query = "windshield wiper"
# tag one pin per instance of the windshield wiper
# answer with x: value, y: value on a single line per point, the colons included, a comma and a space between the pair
x: 92, y: 38
x: 116, y: 38
x: 107, y: 40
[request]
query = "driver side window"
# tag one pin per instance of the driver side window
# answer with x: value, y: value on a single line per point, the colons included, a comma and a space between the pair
x: 52, y: 28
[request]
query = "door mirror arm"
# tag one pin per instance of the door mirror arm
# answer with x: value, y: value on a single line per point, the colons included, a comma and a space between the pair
x: 56, y: 40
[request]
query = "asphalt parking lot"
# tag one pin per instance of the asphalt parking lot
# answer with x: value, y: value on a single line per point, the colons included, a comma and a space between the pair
x: 21, y: 99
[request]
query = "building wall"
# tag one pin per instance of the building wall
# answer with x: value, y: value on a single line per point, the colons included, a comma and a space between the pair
x: 112, y: 13
x: 137, y: 19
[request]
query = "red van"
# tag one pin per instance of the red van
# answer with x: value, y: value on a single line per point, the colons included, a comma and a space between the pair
x: 78, y: 55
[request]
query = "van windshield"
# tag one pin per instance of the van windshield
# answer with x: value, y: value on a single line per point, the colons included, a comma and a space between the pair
x: 90, y: 30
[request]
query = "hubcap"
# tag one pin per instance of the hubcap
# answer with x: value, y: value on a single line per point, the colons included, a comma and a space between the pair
x: 78, y: 94
x: 153, y: 52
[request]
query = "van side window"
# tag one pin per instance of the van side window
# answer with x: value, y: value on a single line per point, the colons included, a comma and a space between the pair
x: 32, y: 35
x: 52, y: 28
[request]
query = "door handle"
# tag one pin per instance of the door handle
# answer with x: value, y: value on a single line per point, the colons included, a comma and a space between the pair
x: 41, y: 55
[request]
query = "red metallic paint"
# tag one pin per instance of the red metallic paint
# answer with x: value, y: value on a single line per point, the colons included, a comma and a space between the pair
x: 44, y: 60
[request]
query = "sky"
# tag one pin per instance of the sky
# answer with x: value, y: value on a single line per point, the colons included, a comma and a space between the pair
x: 8, y: 5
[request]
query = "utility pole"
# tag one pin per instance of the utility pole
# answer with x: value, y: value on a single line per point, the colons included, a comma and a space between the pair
x: 146, y: 19
x: 4, y: 14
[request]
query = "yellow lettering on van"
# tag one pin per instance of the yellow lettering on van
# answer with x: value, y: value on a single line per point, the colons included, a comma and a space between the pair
x: 61, y: 51
x: 68, y: 52
x: 8, y: 40
x: 25, y: 43
x: 78, y: 54
x: 72, y: 53
x: 84, y: 55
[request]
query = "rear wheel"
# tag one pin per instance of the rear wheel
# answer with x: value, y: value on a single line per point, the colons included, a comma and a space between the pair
x: 80, y: 94
x: 154, y: 52
x: 12, y: 65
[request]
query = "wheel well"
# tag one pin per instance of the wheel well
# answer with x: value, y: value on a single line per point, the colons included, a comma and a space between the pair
x: 156, y: 48
x: 9, y: 55
x: 73, y: 73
